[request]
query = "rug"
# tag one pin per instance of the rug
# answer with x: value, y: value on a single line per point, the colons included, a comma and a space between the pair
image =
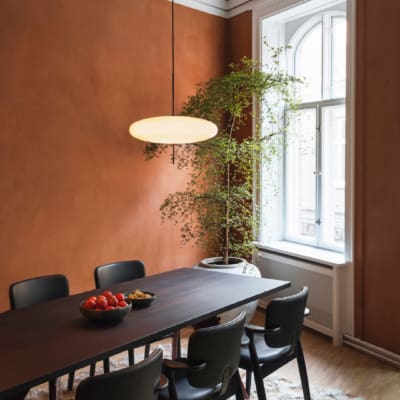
x: 277, y: 388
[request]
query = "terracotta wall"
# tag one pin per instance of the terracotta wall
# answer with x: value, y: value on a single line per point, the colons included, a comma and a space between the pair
x: 75, y: 189
x: 239, y: 46
x: 240, y: 36
x: 377, y: 202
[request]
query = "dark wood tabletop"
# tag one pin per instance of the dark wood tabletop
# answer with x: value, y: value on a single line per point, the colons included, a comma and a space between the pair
x: 46, y: 340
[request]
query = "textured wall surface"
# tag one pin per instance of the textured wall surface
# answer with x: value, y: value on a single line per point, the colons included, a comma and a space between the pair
x: 377, y: 203
x: 240, y: 37
x: 239, y: 46
x: 75, y: 188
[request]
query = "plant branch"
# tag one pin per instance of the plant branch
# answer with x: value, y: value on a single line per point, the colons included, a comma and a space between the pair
x: 215, y: 210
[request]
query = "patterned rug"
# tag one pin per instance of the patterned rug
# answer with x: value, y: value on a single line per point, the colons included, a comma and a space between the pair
x: 277, y: 388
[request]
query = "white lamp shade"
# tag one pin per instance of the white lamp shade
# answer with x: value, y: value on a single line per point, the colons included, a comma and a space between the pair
x: 173, y: 130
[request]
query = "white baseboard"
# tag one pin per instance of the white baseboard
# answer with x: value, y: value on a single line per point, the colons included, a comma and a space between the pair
x: 318, y: 327
x: 372, y: 350
x: 351, y: 341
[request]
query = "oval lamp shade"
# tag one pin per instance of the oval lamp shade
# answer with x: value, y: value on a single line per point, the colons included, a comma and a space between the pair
x: 173, y: 130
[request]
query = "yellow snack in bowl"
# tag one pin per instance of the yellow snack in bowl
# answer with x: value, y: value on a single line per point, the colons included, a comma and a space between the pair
x: 138, y: 295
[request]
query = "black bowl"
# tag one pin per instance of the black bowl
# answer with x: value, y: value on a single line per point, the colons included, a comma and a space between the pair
x: 105, y: 315
x: 141, y: 303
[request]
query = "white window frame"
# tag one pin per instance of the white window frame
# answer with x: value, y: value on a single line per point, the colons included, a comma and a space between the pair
x: 318, y: 106
x: 268, y: 8
x: 325, y: 18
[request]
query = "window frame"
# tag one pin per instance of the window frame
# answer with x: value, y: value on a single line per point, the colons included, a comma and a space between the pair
x: 325, y: 18
x: 272, y: 17
x: 270, y: 235
x: 318, y: 242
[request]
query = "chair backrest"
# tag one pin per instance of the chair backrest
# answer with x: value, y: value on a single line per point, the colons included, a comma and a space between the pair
x: 138, y: 382
x: 219, y: 347
x: 37, y: 290
x: 117, y: 272
x: 287, y: 314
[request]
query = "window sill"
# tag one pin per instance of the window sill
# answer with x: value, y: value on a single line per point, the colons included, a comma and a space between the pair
x: 309, y: 253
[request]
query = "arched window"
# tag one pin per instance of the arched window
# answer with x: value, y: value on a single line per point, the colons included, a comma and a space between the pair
x: 310, y: 176
x: 314, y: 161
x: 318, y: 55
x: 306, y: 58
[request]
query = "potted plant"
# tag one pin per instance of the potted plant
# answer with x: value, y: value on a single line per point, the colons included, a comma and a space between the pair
x: 216, y: 209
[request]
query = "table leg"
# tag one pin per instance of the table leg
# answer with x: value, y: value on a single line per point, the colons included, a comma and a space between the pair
x: 53, y: 389
x: 176, y: 345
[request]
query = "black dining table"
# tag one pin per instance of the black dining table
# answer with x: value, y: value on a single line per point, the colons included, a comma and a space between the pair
x: 47, y: 340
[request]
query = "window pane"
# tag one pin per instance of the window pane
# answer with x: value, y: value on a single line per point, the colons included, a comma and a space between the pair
x: 338, y: 66
x: 300, y: 178
x: 308, y: 64
x: 333, y: 176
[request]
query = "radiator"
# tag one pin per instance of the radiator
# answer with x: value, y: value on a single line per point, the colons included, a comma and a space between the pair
x: 323, y: 282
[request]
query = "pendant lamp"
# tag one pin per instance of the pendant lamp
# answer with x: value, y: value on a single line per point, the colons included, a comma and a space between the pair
x: 173, y: 129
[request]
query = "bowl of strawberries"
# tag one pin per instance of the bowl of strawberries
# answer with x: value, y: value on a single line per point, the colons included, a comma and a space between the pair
x: 106, y: 307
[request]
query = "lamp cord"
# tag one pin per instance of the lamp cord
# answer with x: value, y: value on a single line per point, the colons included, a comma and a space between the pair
x: 173, y: 67
x: 173, y: 55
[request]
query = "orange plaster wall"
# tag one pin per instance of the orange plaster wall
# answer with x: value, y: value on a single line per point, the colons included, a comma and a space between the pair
x: 239, y: 46
x: 75, y: 188
x: 240, y: 37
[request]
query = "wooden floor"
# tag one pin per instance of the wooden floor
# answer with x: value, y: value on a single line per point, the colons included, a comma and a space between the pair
x: 342, y: 368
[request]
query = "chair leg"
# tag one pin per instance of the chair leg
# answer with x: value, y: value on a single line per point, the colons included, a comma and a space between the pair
x: 106, y: 365
x: 303, y: 372
x: 131, y: 356
x: 53, y: 389
x: 173, y: 395
x: 92, y: 369
x: 241, y: 393
x: 258, y: 379
x: 71, y: 377
x: 248, y: 380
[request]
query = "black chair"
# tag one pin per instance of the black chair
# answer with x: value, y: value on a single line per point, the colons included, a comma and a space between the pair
x: 38, y: 290
x: 118, y: 272
x: 138, y: 382
x: 210, y: 370
x: 278, y: 342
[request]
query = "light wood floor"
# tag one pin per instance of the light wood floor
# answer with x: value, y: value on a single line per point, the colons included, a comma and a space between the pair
x: 344, y: 368
x: 341, y: 368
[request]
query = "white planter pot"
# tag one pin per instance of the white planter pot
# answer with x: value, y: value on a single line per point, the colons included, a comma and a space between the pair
x: 239, y: 267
